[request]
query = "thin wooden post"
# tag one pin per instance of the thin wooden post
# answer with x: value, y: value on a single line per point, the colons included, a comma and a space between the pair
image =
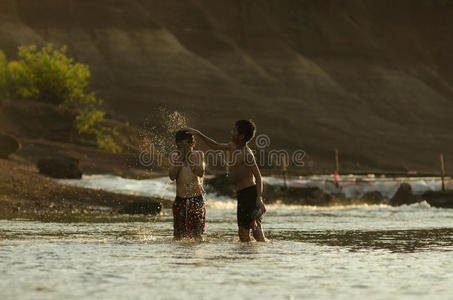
x: 442, y: 171
x: 337, y: 168
x: 285, y: 186
x: 227, y: 163
x: 337, y: 161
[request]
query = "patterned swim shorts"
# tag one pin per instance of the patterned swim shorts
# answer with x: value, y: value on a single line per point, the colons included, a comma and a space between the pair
x: 189, y: 216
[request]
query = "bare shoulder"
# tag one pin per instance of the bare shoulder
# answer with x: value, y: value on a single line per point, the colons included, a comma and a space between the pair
x: 197, y: 154
x: 249, y: 156
x: 249, y: 152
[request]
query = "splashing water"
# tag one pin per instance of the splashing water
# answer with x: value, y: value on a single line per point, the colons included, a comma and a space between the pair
x: 174, y: 121
x: 158, y: 135
x: 164, y: 189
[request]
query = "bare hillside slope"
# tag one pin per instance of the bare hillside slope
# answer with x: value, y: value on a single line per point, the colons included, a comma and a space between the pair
x: 373, y: 78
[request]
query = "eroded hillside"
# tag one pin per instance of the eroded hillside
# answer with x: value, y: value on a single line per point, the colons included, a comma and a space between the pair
x: 373, y: 78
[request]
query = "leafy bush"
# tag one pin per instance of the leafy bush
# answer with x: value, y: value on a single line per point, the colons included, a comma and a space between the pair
x: 48, y: 75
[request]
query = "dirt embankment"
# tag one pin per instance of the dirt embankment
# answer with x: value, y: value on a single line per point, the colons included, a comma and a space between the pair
x: 372, y: 78
x: 23, y: 192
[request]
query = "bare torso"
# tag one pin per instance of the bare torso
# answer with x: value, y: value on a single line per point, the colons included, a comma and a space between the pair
x: 242, y: 173
x: 188, y: 184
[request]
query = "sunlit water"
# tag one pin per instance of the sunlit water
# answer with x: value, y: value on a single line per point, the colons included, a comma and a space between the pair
x: 361, y: 252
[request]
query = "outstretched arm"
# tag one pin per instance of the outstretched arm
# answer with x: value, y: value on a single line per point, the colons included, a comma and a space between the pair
x: 210, y: 142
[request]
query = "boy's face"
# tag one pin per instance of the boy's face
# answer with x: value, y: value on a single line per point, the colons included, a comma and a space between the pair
x: 235, y: 137
x: 184, y: 146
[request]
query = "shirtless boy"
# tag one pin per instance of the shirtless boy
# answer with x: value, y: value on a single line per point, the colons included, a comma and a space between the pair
x: 247, y: 176
x: 187, y: 168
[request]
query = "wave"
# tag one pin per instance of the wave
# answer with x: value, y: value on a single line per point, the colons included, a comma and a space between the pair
x: 163, y: 188
x: 423, y: 205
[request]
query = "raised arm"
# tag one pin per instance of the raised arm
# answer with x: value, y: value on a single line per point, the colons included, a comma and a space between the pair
x: 175, y: 166
x: 210, y: 142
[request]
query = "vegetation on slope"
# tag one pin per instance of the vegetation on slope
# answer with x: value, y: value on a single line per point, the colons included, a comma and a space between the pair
x: 49, y: 75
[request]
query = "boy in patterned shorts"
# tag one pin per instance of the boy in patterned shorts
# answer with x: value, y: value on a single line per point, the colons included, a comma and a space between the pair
x: 187, y: 168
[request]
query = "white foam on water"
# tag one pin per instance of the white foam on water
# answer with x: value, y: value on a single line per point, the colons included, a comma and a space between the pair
x: 220, y: 204
x: 355, y: 185
x: 162, y: 187
x: 419, y: 205
x: 231, y: 205
x: 366, y: 207
x: 157, y: 187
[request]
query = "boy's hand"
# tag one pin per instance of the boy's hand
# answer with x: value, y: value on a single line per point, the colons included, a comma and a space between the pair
x: 254, y: 224
x: 260, y: 204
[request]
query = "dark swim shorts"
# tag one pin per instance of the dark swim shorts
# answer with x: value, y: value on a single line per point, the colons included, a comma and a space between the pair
x: 246, y: 206
x: 189, y: 216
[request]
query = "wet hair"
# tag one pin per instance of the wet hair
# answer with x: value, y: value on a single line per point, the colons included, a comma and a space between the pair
x: 246, y: 128
x: 182, y: 135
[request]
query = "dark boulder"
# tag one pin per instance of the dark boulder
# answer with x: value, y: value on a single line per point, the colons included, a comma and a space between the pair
x: 221, y: 185
x: 142, y: 207
x: 337, y: 199
x: 439, y: 198
x: 8, y: 145
x: 60, y: 167
x: 297, y: 195
x: 320, y: 198
x: 292, y: 195
x: 374, y: 197
x: 403, y: 196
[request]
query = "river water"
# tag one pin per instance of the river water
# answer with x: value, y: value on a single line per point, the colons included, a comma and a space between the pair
x: 373, y: 252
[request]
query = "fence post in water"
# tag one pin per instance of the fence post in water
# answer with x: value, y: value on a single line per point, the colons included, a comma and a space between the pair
x: 442, y: 171
x: 227, y: 163
x: 337, y: 168
x: 285, y: 186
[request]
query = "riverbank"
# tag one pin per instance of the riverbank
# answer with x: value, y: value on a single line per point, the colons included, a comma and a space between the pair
x: 23, y: 192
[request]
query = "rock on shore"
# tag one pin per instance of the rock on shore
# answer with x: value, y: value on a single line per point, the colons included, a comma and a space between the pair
x: 8, y: 145
x: 373, y: 197
x: 442, y: 199
x: 403, y: 196
x: 60, y: 167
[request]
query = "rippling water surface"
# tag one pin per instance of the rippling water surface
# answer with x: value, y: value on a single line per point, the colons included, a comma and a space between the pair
x: 360, y: 252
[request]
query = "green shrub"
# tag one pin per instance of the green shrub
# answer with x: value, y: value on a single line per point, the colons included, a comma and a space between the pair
x: 48, y: 75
